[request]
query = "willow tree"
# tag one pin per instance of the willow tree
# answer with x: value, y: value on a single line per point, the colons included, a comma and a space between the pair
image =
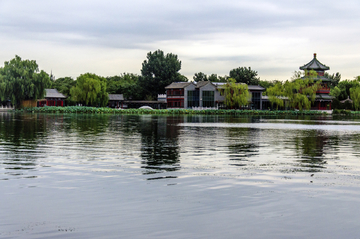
x: 21, y: 80
x: 236, y: 94
x: 301, y: 92
x: 90, y: 89
x: 275, y: 93
x: 355, y: 96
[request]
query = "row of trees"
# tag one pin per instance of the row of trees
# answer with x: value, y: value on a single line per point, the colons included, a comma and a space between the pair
x: 300, y: 92
x: 21, y: 80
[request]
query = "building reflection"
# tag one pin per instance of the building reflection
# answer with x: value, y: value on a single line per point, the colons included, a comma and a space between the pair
x: 159, y: 144
x: 243, y: 144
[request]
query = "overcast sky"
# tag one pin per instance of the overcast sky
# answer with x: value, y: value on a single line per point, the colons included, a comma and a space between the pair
x: 109, y: 37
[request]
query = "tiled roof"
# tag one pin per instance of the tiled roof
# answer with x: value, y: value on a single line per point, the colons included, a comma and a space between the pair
x: 116, y: 97
x: 200, y: 84
x: 256, y: 87
x: 53, y: 93
x: 314, y: 64
x: 178, y: 85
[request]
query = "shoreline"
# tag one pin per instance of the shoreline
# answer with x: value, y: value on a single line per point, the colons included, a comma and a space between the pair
x: 94, y: 110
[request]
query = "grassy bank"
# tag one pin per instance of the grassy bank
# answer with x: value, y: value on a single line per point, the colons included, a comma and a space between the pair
x: 93, y: 110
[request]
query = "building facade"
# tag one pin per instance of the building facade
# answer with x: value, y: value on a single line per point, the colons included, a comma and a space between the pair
x: 52, y: 98
x: 323, y: 99
x: 205, y: 94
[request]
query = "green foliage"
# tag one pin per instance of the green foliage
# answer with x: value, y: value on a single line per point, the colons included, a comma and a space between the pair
x: 267, y: 84
x: 236, y: 95
x: 63, y: 85
x: 301, y: 92
x: 200, y: 77
x: 126, y: 84
x: 335, y: 92
x: 213, y: 77
x: 245, y: 75
x: 21, y: 80
x: 90, y: 89
x: 345, y: 86
x: 335, y: 79
x: 275, y: 94
x: 93, y: 110
x: 159, y: 71
x: 355, y: 96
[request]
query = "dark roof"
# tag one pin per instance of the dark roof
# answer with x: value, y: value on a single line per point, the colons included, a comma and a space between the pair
x: 347, y: 100
x: 200, y: 84
x: 116, y: 97
x: 314, y: 64
x: 324, y: 97
x: 256, y: 87
x: 53, y: 93
x: 178, y: 85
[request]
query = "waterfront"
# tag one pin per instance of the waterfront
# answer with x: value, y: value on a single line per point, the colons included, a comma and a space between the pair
x: 147, y: 176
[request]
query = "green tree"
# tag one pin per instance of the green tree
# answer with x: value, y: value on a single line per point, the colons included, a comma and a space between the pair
x: 158, y: 71
x: 266, y: 84
x: 345, y: 86
x: 335, y: 92
x: 301, y: 92
x: 245, y: 75
x: 126, y: 84
x: 355, y: 96
x: 200, y: 77
x: 63, y: 85
x: 90, y: 89
x: 275, y: 94
x: 236, y: 94
x: 335, y: 79
x: 21, y: 80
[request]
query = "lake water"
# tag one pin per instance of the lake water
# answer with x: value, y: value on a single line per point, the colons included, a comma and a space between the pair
x: 118, y: 176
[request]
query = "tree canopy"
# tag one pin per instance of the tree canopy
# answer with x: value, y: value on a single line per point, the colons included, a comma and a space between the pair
x: 355, y: 97
x: 245, y: 75
x: 21, y: 80
x: 126, y: 84
x: 236, y: 94
x: 300, y: 92
x: 158, y: 71
x: 90, y: 89
x: 63, y: 85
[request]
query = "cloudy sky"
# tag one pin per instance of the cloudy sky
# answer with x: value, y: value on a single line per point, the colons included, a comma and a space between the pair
x: 109, y: 37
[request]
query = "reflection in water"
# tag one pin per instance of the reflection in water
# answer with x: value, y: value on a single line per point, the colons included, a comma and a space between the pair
x: 310, y: 146
x: 20, y: 135
x: 243, y: 144
x: 159, y: 144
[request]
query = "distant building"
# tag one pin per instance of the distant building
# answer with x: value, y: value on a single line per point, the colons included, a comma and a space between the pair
x: 116, y: 100
x: 205, y: 94
x: 52, y: 98
x: 323, y: 99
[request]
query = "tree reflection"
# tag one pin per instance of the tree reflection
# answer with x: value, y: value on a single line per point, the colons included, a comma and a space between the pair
x: 310, y: 146
x: 20, y: 136
x: 159, y: 144
x: 243, y: 144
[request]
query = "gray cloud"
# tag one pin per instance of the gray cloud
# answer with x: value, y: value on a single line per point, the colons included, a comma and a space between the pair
x: 142, y: 25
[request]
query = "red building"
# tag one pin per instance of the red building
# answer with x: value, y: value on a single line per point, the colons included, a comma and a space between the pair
x: 52, y: 98
x: 323, y: 99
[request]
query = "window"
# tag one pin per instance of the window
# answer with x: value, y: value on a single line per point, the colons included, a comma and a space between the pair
x: 193, y: 98
x: 208, y: 99
x: 175, y: 103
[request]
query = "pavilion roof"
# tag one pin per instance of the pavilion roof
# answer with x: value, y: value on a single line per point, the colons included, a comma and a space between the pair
x: 314, y: 64
x: 53, y: 93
